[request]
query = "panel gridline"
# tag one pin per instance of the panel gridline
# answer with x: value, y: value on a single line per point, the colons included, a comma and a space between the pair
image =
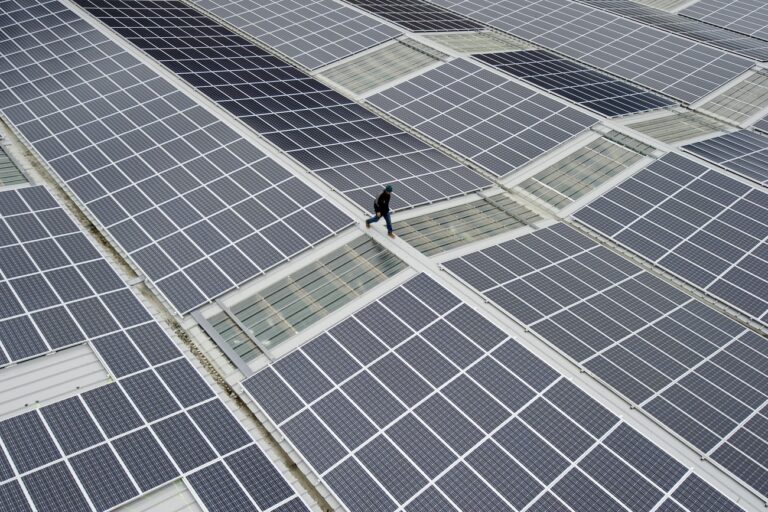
x: 418, y: 15
x: 312, y: 33
x: 702, y: 375
x: 427, y: 409
x: 686, y: 27
x: 745, y: 16
x: 743, y: 152
x: 196, y: 207
x: 56, y: 289
x: 580, y: 84
x: 664, y: 62
x: 112, y: 436
x: 484, y: 117
x: 349, y: 147
x: 702, y: 226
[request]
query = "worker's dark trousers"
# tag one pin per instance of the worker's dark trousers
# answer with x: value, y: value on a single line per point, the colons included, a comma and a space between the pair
x: 386, y: 217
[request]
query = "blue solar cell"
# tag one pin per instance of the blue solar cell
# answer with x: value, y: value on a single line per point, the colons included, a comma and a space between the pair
x: 259, y: 477
x: 54, y: 488
x: 186, y: 445
x: 218, y: 490
x: 103, y: 478
x: 145, y: 459
x: 28, y: 442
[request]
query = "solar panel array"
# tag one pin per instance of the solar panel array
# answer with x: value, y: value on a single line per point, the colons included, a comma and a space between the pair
x: 419, y: 403
x: 744, y: 16
x: 491, y: 120
x: 703, y: 32
x: 195, y: 206
x: 56, y: 289
x: 664, y: 62
x: 580, y: 84
x: 702, y: 375
x: 312, y: 33
x: 158, y: 421
x: 702, y: 226
x: 351, y: 148
x: 743, y: 152
x: 418, y: 15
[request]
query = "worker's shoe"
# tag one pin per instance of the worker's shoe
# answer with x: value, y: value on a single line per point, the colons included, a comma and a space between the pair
x: 367, y: 224
x: 391, y: 235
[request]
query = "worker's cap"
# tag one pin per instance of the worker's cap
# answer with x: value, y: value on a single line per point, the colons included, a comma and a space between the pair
x: 388, y: 188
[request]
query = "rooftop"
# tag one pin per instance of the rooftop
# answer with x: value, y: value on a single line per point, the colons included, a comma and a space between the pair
x: 195, y: 316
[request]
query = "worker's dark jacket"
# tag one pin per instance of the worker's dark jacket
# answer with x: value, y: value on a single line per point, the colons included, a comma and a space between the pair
x: 381, y: 205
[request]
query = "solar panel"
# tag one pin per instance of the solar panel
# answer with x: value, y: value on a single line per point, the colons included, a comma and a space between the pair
x: 432, y: 435
x: 57, y: 289
x: 105, y: 481
x: 686, y: 27
x: 39, y: 439
x: 664, y: 62
x: 482, y: 116
x: 159, y: 173
x: 418, y: 15
x: 352, y: 149
x: 218, y: 490
x: 103, y: 433
x: 694, y: 222
x: 313, y: 33
x: 744, y: 16
x: 743, y: 152
x: 692, y: 369
x: 580, y: 84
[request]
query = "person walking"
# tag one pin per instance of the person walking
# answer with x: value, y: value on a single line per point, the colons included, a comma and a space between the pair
x: 381, y: 207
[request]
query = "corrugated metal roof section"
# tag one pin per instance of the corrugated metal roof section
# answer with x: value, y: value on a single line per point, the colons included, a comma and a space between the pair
x: 174, y: 497
x: 479, y: 42
x: 50, y: 378
x: 679, y: 126
x: 10, y: 174
x: 453, y: 227
x: 579, y: 173
x: 666, y: 5
x: 741, y: 101
x: 299, y: 300
x: 383, y: 65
